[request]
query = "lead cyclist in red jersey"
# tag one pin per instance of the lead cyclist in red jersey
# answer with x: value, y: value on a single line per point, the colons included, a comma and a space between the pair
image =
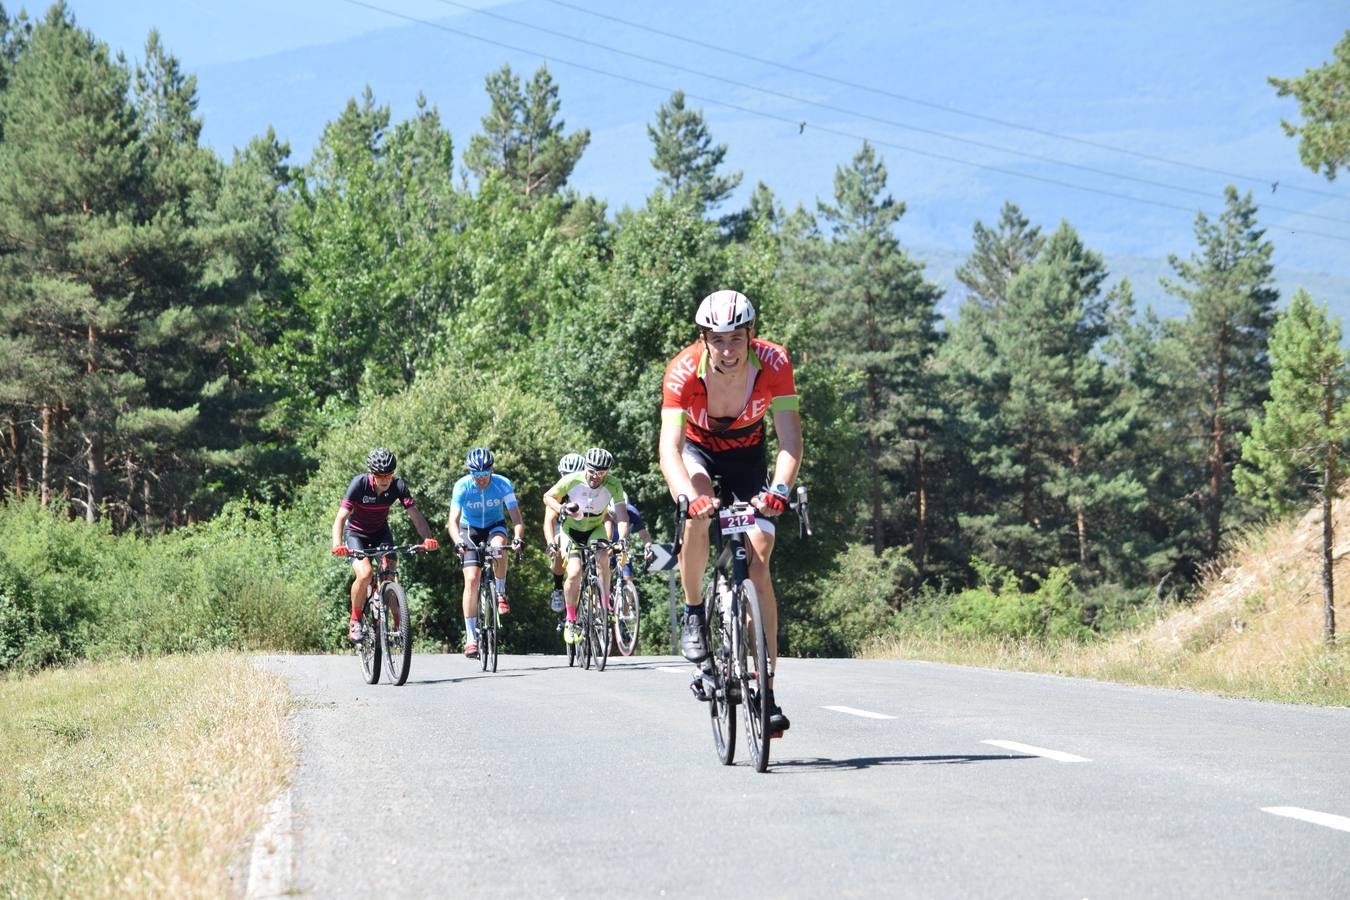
x: 716, y: 395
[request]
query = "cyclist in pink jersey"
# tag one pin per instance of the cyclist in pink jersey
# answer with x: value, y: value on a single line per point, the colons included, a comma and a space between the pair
x: 716, y: 395
x: 362, y: 522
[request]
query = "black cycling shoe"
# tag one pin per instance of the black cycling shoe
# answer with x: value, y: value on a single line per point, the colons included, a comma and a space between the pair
x: 692, y: 643
x: 778, y: 723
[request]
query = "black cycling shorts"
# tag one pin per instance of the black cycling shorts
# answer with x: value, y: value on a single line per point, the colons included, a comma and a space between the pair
x: 357, y: 540
x: 743, y: 472
x: 474, y: 535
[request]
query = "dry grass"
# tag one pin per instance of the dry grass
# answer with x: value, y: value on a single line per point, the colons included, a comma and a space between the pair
x: 137, y: 778
x: 1255, y: 631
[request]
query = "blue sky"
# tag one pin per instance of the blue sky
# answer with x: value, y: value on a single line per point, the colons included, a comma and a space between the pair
x: 1184, y: 81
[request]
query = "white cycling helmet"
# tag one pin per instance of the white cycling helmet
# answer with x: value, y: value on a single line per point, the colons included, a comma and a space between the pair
x: 723, y: 311
x: 570, y: 463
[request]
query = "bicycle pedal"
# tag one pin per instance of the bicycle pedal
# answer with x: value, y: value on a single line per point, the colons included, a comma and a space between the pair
x: 697, y: 689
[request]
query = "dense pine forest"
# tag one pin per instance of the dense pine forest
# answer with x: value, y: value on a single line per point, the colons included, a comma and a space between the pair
x: 196, y: 354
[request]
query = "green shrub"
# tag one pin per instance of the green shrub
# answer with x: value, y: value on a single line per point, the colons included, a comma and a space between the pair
x: 854, y: 600
x: 998, y: 607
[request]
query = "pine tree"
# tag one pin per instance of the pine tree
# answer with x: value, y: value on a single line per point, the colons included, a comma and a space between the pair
x: 879, y: 320
x: 1294, y: 449
x: 686, y: 157
x: 1215, y: 359
x: 1323, y: 96
x: 522, y: 139
x: 999, y: 255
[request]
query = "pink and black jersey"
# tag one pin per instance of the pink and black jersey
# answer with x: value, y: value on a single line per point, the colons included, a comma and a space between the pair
x: 370, y: 508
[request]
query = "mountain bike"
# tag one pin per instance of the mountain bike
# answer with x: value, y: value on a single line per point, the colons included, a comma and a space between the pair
x: 736, y: 671
x: 386, y: 633
x: 627, y: 612
x: 489, y: 617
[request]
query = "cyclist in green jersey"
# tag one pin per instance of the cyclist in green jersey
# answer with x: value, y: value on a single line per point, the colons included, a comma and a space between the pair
x: 581, y: 500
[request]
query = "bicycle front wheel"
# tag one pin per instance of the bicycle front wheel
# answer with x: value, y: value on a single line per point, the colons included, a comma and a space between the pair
x: 754, y: 667
x: 368, y: 648
x: 600, y: 629
x: 627, y: 614
x: 396, y: 635
x: 484, y: 619
x: 722, y: 704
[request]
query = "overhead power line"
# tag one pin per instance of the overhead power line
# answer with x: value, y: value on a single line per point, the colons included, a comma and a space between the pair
x: 794, y: 122
x: 918, y: 101
x: 998, y: 148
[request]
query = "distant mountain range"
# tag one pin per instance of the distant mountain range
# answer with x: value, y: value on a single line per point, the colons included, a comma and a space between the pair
x: 1186, y: 81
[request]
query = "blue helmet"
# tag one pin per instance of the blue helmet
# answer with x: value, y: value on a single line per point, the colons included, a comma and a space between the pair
x: 479, y: 460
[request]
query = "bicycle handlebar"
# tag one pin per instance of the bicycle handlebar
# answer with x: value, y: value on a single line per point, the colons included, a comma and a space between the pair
x: 386, y: 550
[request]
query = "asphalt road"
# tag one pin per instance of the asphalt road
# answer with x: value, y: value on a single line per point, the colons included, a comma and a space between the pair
x: 545, y: 781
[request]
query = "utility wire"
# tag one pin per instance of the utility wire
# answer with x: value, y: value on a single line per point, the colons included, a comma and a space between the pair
x: 795, y: 122
x: 879, y: 119
x: 939, y: 106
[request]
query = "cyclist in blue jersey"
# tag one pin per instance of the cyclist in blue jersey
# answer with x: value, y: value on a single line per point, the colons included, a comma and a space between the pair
x: 479, y: 505
x: 363, y: 522
x: 635, y: 526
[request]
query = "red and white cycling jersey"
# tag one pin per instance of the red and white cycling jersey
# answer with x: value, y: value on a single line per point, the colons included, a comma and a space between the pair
x: 770, y: 388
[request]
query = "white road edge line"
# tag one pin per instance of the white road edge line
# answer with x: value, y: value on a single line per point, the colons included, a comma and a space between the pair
x: 1340, y: 823
x: 848, y: 710
x: 269, y: 867
x: 1058, y: 755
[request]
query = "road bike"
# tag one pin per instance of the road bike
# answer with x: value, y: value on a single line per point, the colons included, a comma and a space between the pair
x: 489, y: 617
x: 736, y: 671
x: 627, y: 612
x: 386, y: 633
x: 593, y: 633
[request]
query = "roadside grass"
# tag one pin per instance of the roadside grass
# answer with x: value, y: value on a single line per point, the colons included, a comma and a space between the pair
x: 1254, y: 629
x: 137, y: 777
x: 1313, y: 675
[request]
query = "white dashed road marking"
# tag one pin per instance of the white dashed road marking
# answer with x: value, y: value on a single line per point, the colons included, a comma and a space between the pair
x: 1037, y: 751
x: 1340, y: 823
x: 857, y: 712
x: 688, y: 670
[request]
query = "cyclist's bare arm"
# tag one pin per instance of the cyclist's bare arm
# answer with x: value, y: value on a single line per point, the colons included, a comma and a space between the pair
x: 787, y: 424
x: 517, y: 523
x: 672, y: 461
x: 550, y: 525
x: 452, y: 525
x: 621, y: 520
x: 339, y: 523
x: 419, y: 522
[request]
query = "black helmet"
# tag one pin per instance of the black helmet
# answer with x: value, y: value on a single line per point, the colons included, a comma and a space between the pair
x: 381, y: 461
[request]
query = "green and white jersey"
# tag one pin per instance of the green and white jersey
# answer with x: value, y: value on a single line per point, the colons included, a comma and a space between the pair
x: 591, y: 501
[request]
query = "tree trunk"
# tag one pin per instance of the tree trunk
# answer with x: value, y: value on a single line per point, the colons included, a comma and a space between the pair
x: 16, y: 449
x: 874, y: 451
x: 921, y: 496
x: 1076, y: 457
x: 1328, y: 533
x: 1218, y: 435
x: 46, y: 486
x: 94, y: 473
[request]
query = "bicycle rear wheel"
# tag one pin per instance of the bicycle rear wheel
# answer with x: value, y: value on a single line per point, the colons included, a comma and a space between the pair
x: 722, y: 705
x: 600, y: 629
x: 396, y: 636
x: 627, y: 615
x: 368, y: 648
x: 754, y: 659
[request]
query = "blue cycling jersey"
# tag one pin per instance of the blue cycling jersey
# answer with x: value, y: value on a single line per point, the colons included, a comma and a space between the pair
x: 482, y: 507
